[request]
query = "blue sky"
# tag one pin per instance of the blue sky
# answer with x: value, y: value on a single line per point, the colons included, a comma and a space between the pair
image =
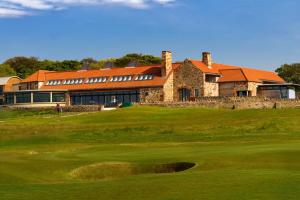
x: 254, y: 33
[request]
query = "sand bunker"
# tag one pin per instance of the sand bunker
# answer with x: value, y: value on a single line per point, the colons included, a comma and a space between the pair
x: 109, y: 170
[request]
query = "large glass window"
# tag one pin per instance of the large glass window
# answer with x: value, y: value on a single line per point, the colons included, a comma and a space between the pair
x: 105, y: 98
x: 1, y: 90
x: 58, y: 97
x: 24, y: 97
x: 41, y: 97
x: 9, y: 98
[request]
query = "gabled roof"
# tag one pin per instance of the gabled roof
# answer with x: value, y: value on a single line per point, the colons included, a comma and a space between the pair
x: 38, y: 76
x: 256, y: 75
x: 214, y: 69
x: 252, y: 75
x: 229, y: 75
x: 235, y: 73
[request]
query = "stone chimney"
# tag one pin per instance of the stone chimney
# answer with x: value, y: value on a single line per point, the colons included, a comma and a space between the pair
x: 207, y: 59
x: 166, y: 67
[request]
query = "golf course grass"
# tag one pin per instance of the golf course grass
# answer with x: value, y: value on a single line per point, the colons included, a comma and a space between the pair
x: 150, y: 153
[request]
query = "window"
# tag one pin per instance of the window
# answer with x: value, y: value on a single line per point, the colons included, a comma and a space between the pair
x: 121, y: 78
x: 1, y: 90
x: 9, y: 98
x: 72, y: 81
x: 41, y: 97
x: 184, y: 94
x: 96, y: 80
x: 210, y: 78
x: 24, y: 97
x: 58, y: 97
x: 105, y: 98
x: 143, y: 77
x: 197, y: 93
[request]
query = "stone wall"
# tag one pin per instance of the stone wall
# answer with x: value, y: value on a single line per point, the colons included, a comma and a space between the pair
x: 211, y: 89
x: 190, y: 77
x: 235, y: 103
x: 231, y: 88
x: 151, y: 95
x: 252, y: 86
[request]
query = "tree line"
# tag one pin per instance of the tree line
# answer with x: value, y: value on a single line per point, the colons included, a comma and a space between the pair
x: 25, y: 66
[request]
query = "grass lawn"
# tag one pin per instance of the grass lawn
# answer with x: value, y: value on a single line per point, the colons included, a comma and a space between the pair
x: 239, y: 154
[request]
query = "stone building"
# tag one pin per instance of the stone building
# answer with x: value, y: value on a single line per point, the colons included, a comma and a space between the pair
x: 168, y: 82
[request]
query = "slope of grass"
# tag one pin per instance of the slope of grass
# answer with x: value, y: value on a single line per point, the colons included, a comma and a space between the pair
x: 241, y: 154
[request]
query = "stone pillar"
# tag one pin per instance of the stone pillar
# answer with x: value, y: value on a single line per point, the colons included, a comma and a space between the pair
x: 68, y: 99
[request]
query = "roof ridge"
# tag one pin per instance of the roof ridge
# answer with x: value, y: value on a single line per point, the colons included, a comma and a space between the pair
x: 244, y: 74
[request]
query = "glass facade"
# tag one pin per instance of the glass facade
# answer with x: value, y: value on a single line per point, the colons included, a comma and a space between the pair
x: 23, y: 97
x: 275, y: 91
x: 1, y: 90
x: 40, y: 97
x: 9, y: 98
x: 58, y: 97
x: 105, y: 98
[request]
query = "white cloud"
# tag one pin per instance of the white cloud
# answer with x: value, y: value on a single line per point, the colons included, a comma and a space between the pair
x: 17, y: 8
x: 10, y: 12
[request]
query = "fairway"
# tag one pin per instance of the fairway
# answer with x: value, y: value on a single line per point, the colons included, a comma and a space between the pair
x: 120, y: 154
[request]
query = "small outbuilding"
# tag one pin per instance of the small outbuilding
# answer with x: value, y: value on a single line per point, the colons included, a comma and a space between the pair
x: 281, y: 91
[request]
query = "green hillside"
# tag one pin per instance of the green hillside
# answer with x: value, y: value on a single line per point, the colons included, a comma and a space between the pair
x: 122, y: 154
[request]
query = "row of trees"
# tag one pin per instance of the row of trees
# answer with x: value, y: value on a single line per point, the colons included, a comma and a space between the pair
x: 24, y: 66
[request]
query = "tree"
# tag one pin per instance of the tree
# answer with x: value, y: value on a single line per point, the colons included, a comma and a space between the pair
x: 87, y: 63
x: 102, y: 63
x: 23, y: 66
x: 6, y: 70
x: 140, y: 59
x: 290, y: 72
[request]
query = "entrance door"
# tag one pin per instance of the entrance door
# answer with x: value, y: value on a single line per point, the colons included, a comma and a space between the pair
x: 185, y: 94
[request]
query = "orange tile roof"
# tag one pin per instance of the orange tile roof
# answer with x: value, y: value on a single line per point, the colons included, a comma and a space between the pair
x: 229, y: 75
x: 256, y: 75
x: 38, y: 76
x: 153, y: 70
x: 236, y: 73
x: 215, y: 68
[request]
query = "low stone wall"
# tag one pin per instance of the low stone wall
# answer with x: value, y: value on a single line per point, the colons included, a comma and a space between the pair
x: 234, y: 103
